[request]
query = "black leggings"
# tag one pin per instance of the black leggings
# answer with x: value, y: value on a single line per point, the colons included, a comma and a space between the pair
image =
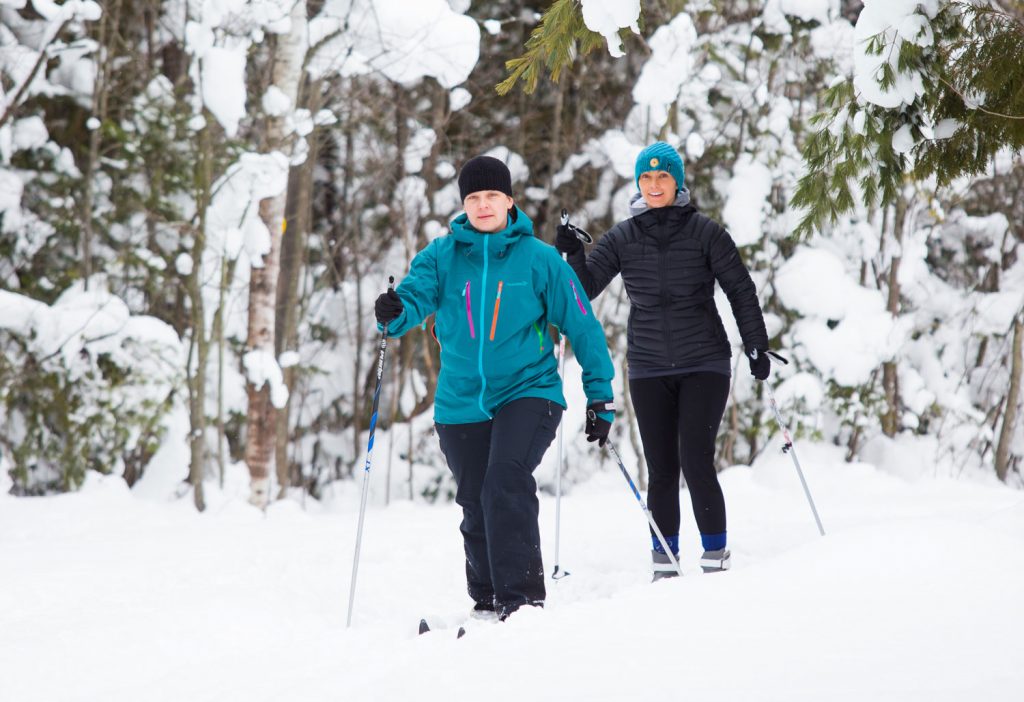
x: 678, y: 416
x: 493, y: 464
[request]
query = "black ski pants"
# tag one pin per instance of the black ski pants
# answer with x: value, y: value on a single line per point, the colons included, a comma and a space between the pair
x: 678, y: 417
x: 493, y: 464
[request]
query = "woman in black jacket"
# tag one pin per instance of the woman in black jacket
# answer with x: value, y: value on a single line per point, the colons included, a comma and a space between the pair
x: 678, y: 353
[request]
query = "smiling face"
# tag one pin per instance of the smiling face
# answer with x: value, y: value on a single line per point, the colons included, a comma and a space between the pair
x: 658, y: 188
x: 488, y: 210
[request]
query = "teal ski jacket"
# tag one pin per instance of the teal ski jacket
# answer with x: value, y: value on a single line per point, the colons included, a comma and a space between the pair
x: 494, y: 295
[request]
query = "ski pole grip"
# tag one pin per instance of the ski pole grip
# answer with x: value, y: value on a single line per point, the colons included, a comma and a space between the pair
x: 778, y: 356
x: 391, y: 282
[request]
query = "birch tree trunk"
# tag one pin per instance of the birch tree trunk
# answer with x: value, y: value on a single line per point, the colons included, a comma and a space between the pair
x: 286, y: 73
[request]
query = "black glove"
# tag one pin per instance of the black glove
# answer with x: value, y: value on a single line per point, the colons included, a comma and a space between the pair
x: 387, y: 307
x: 566, y: 241
x: 760, y: 366
x: 597, y: 426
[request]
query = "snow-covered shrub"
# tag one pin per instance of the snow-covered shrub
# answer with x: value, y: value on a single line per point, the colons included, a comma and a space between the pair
x: 84, y: 386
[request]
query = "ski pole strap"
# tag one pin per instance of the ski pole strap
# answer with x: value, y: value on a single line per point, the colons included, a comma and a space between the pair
x: 581, y: 234
x: 754, y: 353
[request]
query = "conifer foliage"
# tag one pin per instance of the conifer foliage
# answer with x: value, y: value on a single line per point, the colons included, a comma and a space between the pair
x: 961, y: 63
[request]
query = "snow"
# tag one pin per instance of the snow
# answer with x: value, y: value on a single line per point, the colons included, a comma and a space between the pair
x: 807, y: 10
x: 72, y: 9
x: 117, y: 594
x: 896, y: 21
x: 910, y: 596
x: 459, y: 98
x: 670, y: 65
x: 835, y: 41
x: 903, y: 140
x: 695, y: 145
x: 199, y: 38
x: 289, y: 359
x: 11, y: 189
x: 607, y: 17
x: 946, y: 128
x: 261, y: 369
x: 811, y: 10
x: 404, y: 41
x: 233, y: 221
x: 184, y: 264
x: 223, y: 86
x: 275, y: 102
x: 845, y: 330
x: 746, y: 200
x: 30, y: 133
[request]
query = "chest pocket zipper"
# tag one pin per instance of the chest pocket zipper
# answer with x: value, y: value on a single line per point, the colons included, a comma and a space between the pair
x: 469, y: 311
x: 497, y: 306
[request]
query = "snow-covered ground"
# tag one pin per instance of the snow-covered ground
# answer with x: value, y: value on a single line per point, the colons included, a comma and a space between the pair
x: 914, y: 594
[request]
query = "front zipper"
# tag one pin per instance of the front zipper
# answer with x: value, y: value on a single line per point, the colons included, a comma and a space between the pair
x: 497, y: 305
x: 483, y: 311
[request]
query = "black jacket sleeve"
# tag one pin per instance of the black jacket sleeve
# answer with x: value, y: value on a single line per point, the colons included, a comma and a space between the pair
x: 601, y: 266
x: 735, y: 280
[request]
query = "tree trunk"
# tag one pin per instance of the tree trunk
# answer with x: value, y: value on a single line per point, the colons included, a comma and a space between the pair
x: 890, y: 377
x: 551, y: 210
x: 107, y: 28
x: 300, y: 190
x: 261, y: 441
x: 1012, y: 398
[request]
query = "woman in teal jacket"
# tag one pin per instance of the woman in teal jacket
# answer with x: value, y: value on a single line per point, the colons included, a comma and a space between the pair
x: 494, y: 289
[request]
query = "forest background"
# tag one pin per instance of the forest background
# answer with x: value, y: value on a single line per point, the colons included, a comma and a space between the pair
x: 200, y: 200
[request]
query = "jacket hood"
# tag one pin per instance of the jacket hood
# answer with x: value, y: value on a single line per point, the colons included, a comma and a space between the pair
x: 519, y: 226
x: 637, y: 204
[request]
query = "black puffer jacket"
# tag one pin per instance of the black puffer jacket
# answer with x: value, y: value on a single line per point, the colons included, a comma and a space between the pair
x: 669, y: 259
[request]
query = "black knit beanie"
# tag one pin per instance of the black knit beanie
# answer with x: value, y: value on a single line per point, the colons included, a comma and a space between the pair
x: 484, y: 173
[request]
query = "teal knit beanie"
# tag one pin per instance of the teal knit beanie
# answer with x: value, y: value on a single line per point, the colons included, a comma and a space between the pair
x: 659, y: 156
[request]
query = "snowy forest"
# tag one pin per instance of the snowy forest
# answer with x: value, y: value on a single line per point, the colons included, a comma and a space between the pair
x: 201, y: 200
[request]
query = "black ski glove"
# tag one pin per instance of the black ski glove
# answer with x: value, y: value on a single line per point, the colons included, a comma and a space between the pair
x: 566, y: 241
x: 388, y: 307
x: 598, y: 422
x: 760, y: 366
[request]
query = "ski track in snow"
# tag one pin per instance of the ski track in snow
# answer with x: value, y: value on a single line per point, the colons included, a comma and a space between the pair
x: 914, y: 594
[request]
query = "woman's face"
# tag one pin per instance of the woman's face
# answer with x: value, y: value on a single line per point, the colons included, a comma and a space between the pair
x: 488, y: 210
x: 658, y: 188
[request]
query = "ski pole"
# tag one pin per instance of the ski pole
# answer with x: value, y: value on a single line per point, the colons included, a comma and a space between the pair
x: 366, y: 468
x: 788, y: 447
x: 636, y: 494
x: 556, y: 574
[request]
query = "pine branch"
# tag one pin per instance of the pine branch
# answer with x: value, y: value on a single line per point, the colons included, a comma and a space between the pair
x: 552, y: 46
